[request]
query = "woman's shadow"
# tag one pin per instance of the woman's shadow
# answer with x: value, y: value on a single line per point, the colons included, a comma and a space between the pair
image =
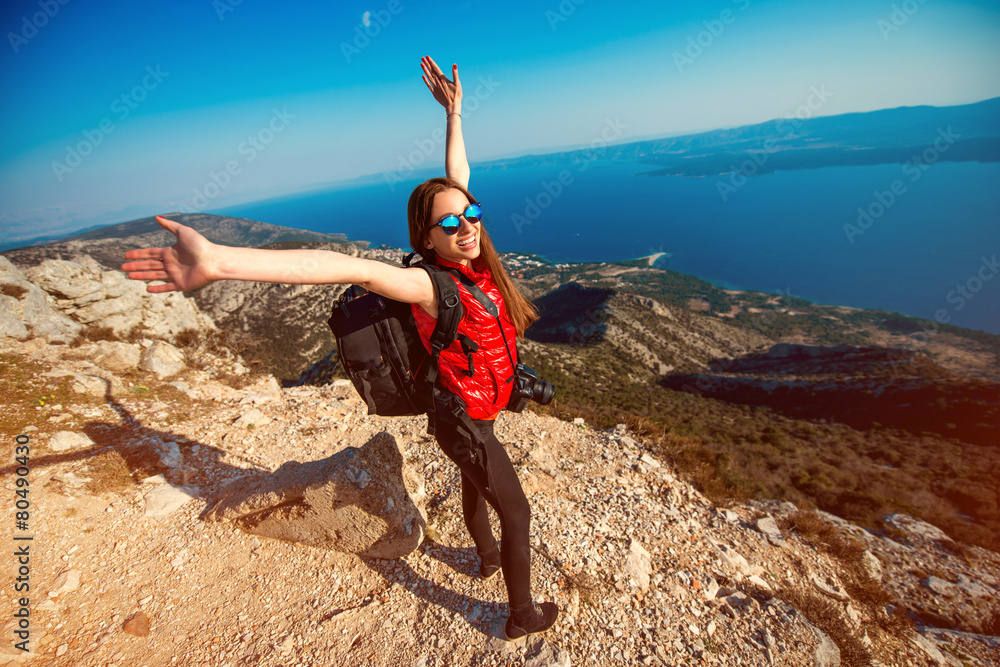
x: 482, y: 615
x: 141, y: 449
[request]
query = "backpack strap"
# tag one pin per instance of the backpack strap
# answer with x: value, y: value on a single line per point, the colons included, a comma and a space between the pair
x: 491, y: 308
x: 450, y: 313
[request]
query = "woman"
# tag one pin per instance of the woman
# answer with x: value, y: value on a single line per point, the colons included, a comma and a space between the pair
x: 446, y: 228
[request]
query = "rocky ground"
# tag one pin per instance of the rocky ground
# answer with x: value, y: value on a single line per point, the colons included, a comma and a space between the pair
x: 126, y: 456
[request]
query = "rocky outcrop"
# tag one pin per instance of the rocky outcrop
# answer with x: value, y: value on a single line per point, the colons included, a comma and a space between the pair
x: 355, y: 502
x: 91, y: 295
x: 26, y: 311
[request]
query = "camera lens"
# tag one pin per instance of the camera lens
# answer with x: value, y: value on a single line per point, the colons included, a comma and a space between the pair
x: 542, y: 392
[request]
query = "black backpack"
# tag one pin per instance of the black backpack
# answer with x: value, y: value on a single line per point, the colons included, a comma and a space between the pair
x: 381, y: 352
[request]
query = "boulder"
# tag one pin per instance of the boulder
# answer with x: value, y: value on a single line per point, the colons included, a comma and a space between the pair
x: 163, y: 500
x: 163, y: 359
x: 26, y: 311
x: 115, y: 356
x: 357, y: 501
x: 66, y: 440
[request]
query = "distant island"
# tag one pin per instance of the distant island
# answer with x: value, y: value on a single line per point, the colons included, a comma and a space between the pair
x: 919, y: 136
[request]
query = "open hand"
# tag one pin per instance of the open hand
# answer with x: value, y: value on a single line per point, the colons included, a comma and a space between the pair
x: 447, y: 92
x: 186, y: 265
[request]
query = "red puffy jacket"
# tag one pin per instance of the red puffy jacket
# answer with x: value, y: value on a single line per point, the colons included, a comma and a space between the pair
x: 487, y: 391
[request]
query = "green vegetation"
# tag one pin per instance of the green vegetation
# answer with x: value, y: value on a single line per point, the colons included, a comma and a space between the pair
x: 734, y: 452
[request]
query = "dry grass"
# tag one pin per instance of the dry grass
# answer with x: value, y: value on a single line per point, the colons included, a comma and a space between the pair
x: 109, y: 472
x: 28, y: 398
x: 200, y: 344
x: 94, y: 334
x: 826, y: 616
x: 869, y: 596
x: 708, y: 470
x: 862, y: 588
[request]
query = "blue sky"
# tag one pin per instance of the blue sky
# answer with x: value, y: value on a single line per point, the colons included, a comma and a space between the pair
x: 165, y: 97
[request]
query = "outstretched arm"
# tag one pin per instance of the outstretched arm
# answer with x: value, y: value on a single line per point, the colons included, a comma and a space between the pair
x: 449, y: 94
x: 194, y: 261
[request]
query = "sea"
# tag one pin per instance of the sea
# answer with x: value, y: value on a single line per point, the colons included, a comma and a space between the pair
x: 924, y: 243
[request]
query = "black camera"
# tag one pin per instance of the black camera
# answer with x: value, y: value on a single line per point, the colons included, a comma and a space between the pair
x: 528, y: 387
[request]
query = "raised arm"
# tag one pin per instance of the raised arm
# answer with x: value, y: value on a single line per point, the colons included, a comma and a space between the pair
x: 449, y: 94
x: 194, y: 261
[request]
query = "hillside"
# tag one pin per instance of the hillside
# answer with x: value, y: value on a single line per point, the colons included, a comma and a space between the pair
x: 128, y: 569
x: 108, y: 245
x: 743, y: 399
x: 883, y: 417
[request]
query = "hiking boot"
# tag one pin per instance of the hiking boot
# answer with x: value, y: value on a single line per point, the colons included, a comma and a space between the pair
x: 530, y: 619
x: 489, y: 563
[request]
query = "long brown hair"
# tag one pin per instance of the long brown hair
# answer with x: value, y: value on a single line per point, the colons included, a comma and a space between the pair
x: 418, y: 214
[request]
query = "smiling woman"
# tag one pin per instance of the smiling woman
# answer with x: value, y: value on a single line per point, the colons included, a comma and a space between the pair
x: 477, y: 370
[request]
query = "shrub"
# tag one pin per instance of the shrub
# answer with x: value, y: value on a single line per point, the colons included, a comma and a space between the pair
x: 93, y: 333
x: 15, y: 291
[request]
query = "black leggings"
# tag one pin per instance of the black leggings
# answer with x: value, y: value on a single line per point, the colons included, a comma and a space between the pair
x: 492, y: 481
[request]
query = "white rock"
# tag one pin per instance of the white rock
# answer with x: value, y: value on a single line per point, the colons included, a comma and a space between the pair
x: 767, y: 526
x: 252, y: 417
x: 169, y: 454
x: 930, y: 650
x: 732, y: 559
x: 65, y: 440
x: 70, y: 479
x: 67, y: 582
x: 638, y: 565
x: 33, y: 312
x: 871, y: 565
x: 94, y: 384
x: 116, y: 356
x: 914, y: 527
x: 185, y: 388
x: 648, y: 463
x: 161, y: 501
x: 829, y: 587
x: 163, y: 359
x: 182, y: 475
x: 940, y: 586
